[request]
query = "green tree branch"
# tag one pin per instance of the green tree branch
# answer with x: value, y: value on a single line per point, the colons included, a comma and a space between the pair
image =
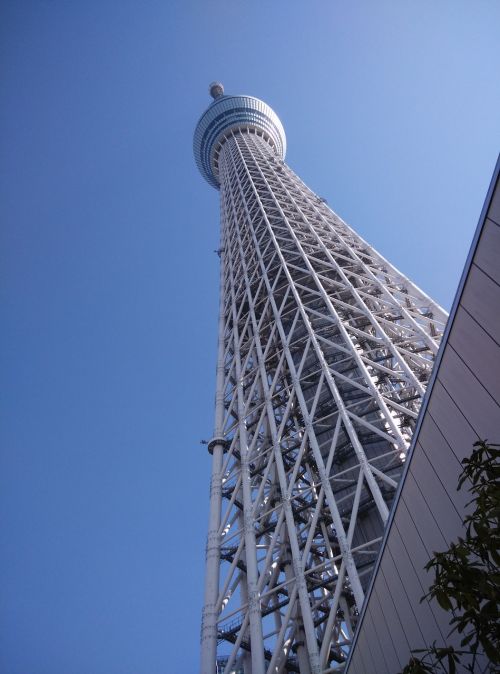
x: 467, y: 575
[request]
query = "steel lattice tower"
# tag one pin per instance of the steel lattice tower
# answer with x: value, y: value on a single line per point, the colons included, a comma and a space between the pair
x: 325, y: 350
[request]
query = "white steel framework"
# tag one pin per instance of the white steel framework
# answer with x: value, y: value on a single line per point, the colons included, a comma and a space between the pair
x: 324, y: 353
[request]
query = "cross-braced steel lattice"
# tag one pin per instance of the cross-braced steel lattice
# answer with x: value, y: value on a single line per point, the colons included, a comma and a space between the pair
x: 324, y: 354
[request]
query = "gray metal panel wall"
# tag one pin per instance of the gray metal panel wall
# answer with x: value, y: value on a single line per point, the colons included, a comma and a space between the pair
x: 462, y: 405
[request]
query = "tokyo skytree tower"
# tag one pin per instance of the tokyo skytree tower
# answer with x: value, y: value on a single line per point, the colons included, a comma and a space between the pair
x: 324, y: 354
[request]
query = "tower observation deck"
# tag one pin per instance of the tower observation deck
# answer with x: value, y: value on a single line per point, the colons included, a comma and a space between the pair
x: 324, y: 353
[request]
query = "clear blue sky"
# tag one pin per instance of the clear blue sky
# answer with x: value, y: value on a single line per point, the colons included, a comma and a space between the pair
x: 109, y: 282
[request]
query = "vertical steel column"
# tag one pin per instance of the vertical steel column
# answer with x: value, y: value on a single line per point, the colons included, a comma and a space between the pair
x: 216, y: 447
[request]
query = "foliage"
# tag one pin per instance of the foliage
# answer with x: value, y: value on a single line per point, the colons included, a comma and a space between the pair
x: 467, y: 575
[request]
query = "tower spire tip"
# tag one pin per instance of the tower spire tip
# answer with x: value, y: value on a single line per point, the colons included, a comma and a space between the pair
x: 216, y: 90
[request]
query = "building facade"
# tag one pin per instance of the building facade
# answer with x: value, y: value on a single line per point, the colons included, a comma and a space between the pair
x: 324, y: 354
x: 462, y: 406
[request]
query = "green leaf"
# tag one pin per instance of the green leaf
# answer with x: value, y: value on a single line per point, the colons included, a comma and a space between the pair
x: 443, y: 600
